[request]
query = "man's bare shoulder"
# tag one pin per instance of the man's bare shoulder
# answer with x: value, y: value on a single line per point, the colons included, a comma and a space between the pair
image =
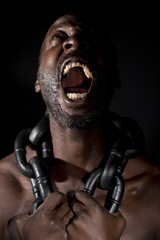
x: 141, y: 201
x: 9, y: 171
x: 141, y: 166
x: 149, y: 182
x: 10, y: 175
x: 9, y: 167
x: 13, y: 188
x: 12, y: 181
x: 143, y: 175
x: 8, y: 161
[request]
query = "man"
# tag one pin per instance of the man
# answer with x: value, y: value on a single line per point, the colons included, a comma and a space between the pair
x: 77, y: 76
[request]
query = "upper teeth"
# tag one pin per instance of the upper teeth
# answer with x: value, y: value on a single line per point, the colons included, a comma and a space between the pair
x: 77, y: 64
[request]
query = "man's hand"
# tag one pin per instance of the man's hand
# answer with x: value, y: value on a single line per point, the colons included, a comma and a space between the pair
x: 48, y: 221
x: 93, y: 221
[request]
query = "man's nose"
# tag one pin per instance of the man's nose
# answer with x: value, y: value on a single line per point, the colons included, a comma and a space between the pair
x: 73, y: 43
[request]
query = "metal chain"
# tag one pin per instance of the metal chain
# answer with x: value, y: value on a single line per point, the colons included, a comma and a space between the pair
x: 129, y: 142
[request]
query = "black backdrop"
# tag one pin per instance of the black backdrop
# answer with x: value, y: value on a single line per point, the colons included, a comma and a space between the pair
x: 134, y: 32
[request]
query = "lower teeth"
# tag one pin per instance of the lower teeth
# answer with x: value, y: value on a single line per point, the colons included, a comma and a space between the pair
x: 76, y: 95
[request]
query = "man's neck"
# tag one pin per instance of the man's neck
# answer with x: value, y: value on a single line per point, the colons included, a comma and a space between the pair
x: 83, y: 149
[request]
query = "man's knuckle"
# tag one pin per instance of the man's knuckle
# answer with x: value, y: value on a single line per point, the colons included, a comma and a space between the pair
x: 59, y: 196
x: 44, y: 216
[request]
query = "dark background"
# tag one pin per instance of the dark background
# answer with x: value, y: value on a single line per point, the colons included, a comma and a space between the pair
x: 134, y: 30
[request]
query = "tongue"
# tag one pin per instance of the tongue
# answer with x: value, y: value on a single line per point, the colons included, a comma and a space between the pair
x: 76, y: 81
x: 75, y: 78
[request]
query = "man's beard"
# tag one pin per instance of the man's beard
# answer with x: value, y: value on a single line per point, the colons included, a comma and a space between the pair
x: 50, y: 88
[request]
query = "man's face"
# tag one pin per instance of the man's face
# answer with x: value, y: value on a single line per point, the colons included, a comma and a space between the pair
x: 74, y: 73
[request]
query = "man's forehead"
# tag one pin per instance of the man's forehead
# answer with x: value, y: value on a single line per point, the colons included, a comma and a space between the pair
x: 68, y: 18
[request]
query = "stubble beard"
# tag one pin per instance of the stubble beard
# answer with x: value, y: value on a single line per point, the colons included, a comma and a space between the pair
x: 50, y: 89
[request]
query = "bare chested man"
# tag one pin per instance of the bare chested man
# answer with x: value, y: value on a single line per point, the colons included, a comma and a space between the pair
x: 77, y: 76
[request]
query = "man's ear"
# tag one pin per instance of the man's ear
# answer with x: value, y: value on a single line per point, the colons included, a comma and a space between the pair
x: 37, y: 87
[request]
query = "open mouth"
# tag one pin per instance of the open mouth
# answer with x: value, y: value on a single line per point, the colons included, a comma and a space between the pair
x: 77, y: 80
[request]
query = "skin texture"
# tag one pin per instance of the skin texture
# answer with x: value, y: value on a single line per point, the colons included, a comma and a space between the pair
x: 78, y: 149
